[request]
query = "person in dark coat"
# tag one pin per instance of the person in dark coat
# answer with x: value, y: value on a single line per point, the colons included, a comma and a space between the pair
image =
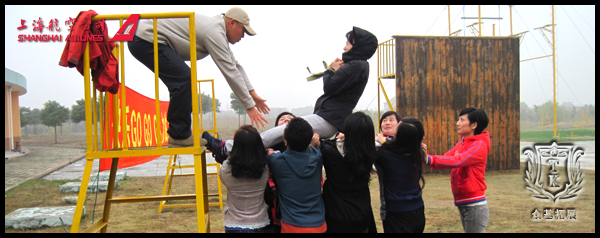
x: 401, y: 160
x: 348, y: 162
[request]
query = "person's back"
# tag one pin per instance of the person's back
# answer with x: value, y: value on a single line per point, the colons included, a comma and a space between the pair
x: 402, y: 191
x: 245, y: 174
x: 298, y: 174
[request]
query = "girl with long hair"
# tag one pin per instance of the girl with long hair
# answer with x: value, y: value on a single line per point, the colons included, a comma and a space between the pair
x: 348, y: 164
x: 402, y: 162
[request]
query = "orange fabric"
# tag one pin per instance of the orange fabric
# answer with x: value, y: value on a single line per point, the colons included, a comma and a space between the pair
x: 141, y: 127
x: 287, y: 228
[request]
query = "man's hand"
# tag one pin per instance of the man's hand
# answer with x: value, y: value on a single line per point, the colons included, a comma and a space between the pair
x: 256, y: 117
x: 261, y: 104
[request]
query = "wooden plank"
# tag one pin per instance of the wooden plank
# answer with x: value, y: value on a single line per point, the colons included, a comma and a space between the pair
x: 446, y: 94
x: 439, y: 76
x: 513, y: 78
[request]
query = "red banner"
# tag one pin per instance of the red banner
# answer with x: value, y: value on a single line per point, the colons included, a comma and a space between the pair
x: 140, y: 122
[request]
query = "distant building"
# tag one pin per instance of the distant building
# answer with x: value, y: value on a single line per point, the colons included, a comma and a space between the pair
x: 15, y: 85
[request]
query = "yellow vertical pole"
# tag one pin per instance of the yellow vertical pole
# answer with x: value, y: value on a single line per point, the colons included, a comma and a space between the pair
x: 195, y: 129
x: 89, y: 162
x: 449, y: 29
x: 511, y: 30
x: 221, y: 190
x: 115, y: 108
x: 109, y: 192
x: 479, y: 20
x: 493, y: 29
x: 156, y: 103
x: 200, y: 107
x: 554, y: 65
x: 215, y: 116
x: 94, y: 125
x: 88, y: 131
x: 199, y: 159
x: 125, y: 145
x: 169, y: 170
x: 88, y: 109
x: 101, y: 108
x: 379, y: 47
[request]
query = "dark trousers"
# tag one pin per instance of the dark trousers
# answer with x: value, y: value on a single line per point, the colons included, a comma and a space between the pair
x: 175, y: 74
x: 405, y: 222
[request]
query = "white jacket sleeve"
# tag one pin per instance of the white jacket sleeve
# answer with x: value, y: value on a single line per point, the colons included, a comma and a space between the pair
x: 218, y: 47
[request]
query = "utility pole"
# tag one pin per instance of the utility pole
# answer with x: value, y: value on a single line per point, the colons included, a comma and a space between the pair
x: 479, y: 20
x: 554, y: 65
x: 449, y: 30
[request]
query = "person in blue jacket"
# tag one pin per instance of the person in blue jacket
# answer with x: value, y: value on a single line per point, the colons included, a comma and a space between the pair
x: 298, y: 172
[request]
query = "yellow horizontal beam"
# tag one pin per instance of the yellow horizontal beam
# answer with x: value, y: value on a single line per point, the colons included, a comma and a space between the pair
x: 144, y: 15
x: 95, y: 227
x: 179, y: 205
x: 144, y: 151
x: 152, y: 198
x: 183, y: 175
x: 180, y: 167
x: 388, y: 76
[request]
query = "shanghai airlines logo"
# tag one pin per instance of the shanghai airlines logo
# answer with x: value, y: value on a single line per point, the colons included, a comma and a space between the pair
x: 553, y: 171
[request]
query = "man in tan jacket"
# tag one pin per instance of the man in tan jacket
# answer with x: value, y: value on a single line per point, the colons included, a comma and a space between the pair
x: 213, y: 33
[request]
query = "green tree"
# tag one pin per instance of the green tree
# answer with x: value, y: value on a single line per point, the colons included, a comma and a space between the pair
x: 24, y: 116
x: 207, y: 105
x: 53, y: 114
x: 78, y: 111
x: 237, y: 106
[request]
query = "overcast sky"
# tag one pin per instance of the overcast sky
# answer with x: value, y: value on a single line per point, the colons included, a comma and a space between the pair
x: 290, y: 38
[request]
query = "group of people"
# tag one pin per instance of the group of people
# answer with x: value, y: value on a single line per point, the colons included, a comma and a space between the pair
x: 274, y: 179
x: 282, y: 189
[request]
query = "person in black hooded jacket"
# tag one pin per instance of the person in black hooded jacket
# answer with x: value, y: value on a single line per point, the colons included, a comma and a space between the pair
x: 343, y: 85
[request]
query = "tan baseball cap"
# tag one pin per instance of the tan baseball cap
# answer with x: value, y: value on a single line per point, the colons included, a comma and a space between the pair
x: 241, y: 16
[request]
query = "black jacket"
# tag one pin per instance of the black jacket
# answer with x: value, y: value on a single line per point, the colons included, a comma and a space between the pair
x: 343, y: 89
x: 347, y: 198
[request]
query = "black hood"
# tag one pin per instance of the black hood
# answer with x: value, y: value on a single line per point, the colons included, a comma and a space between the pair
x: 364, y: 47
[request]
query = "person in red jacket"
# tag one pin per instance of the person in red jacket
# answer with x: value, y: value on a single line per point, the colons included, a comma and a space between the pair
x: 468, y: 160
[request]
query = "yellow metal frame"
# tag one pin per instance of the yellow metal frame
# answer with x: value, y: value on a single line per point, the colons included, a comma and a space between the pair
x: 169, y: 182
x: 386, y: 68
x: 94, y: 135
x: 172, y: 165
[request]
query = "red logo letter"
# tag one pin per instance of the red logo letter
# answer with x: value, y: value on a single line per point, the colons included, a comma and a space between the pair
x: 128, y: 29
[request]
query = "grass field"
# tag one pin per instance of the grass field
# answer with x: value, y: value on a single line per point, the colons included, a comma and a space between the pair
x: 565, y: 135
x: 509, y: 202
